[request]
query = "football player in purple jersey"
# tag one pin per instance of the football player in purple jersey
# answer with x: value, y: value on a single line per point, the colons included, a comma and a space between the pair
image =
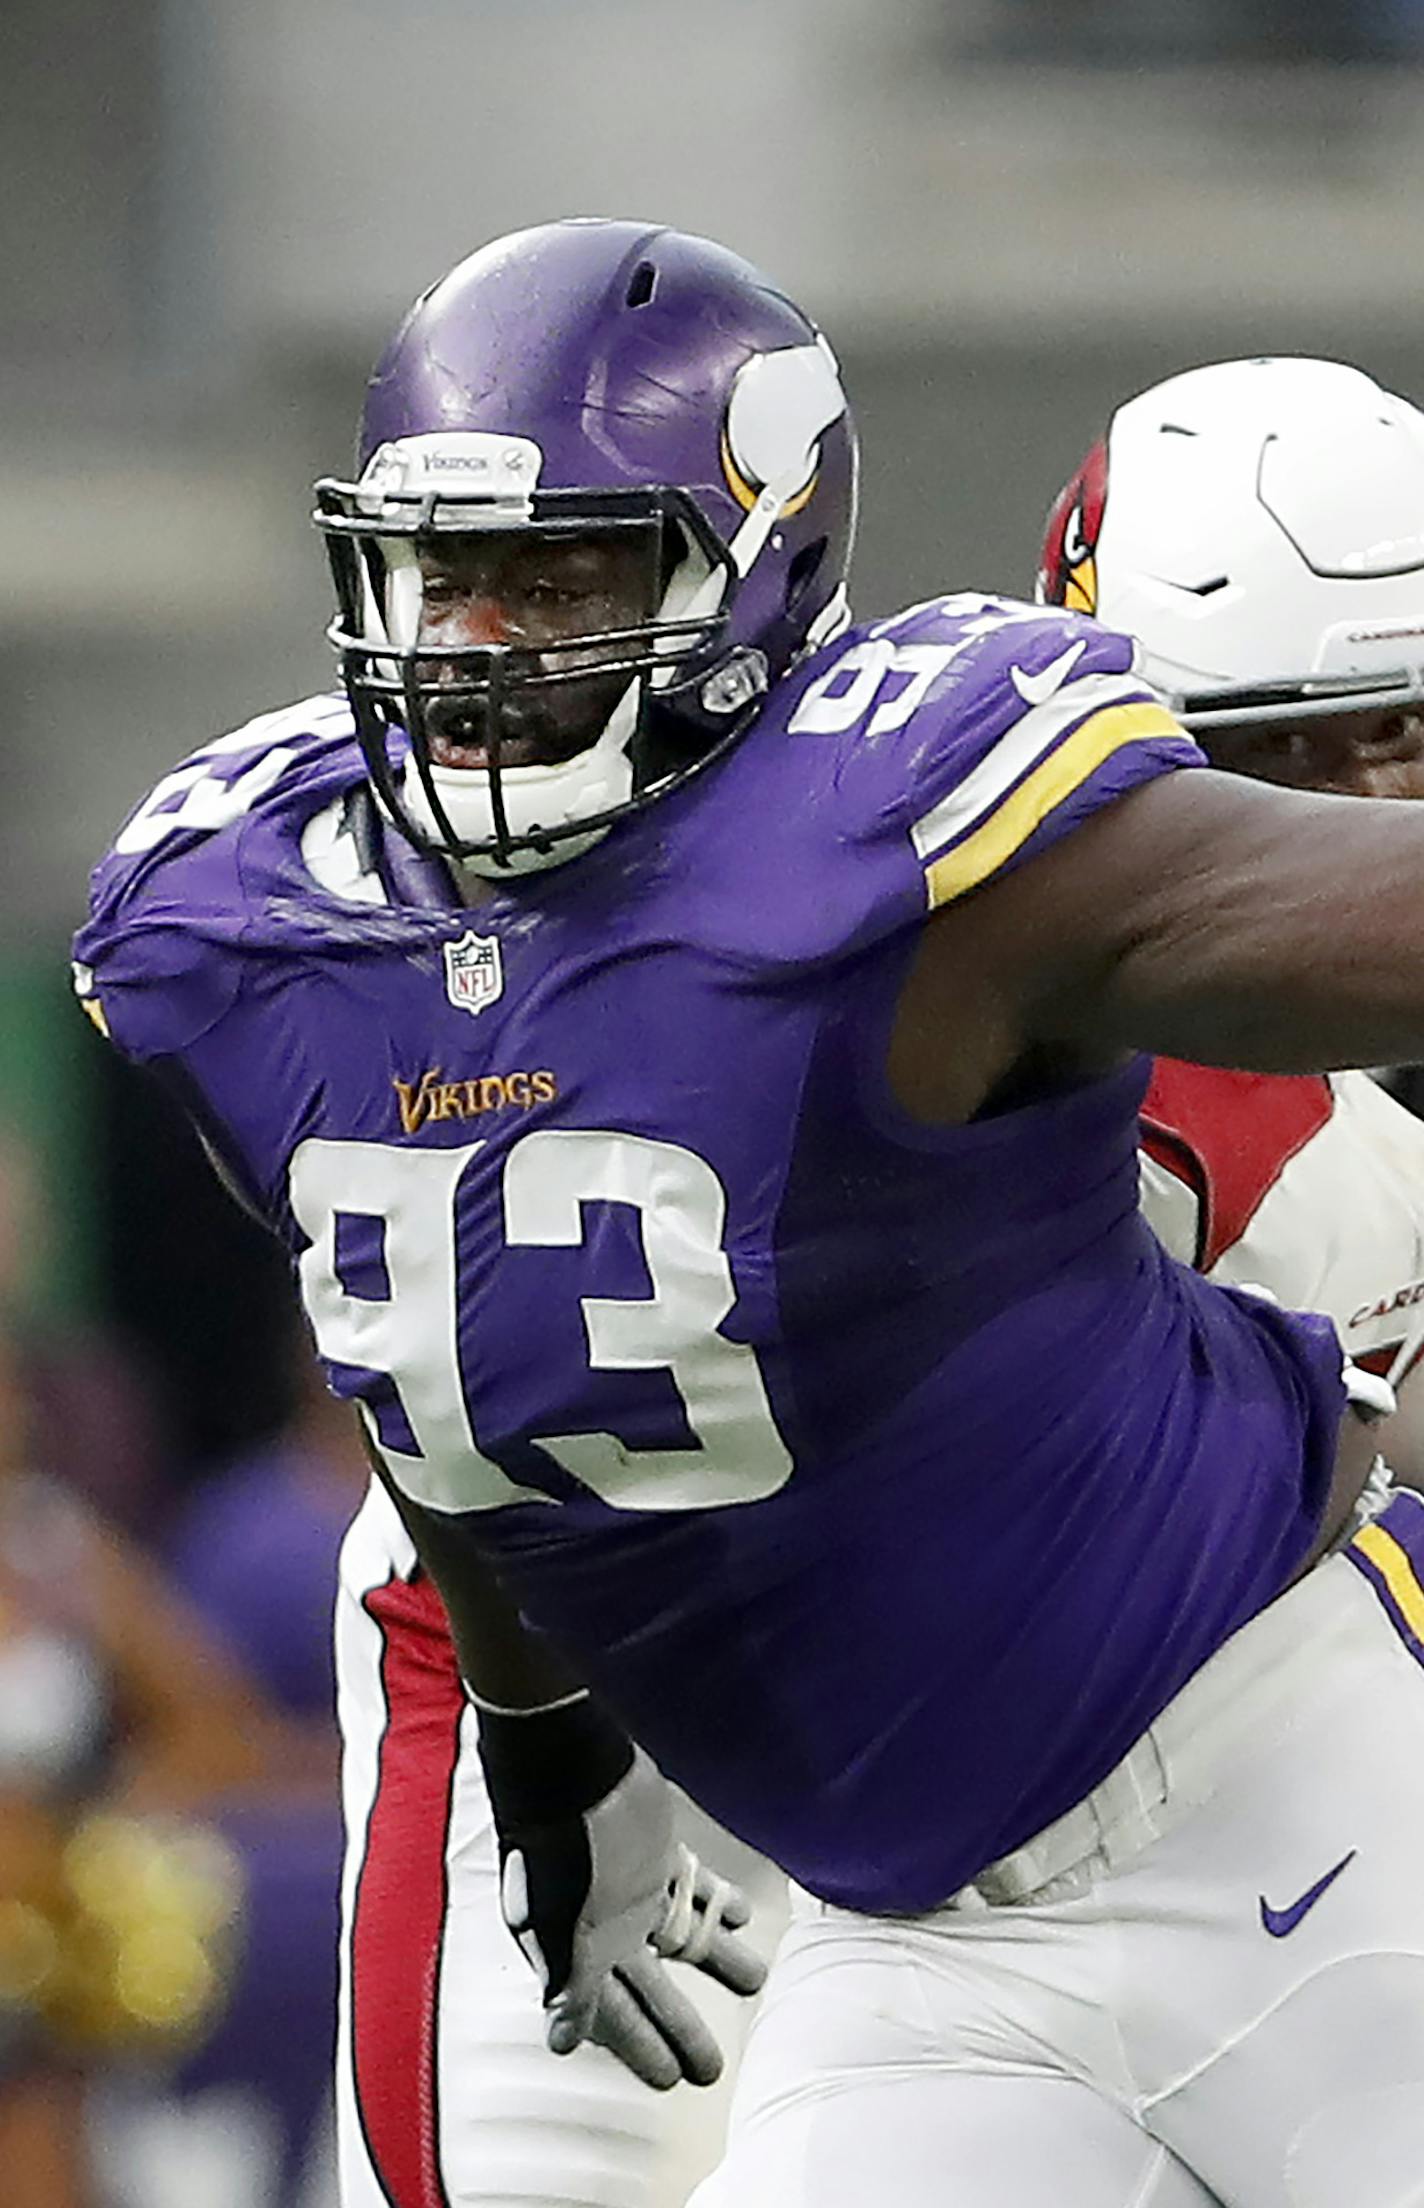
x: 687, y: 1044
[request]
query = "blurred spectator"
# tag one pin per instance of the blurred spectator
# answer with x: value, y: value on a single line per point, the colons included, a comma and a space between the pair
x: 256, y: 1552
x: 88, y: 1410
x: 111, y: 1698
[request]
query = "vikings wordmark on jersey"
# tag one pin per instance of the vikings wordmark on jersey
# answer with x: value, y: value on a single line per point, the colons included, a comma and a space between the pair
x: 897, y: 1440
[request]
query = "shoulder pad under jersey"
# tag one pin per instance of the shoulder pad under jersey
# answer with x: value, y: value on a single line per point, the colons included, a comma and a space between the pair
x: 235, y: 856
x: 976, y: 731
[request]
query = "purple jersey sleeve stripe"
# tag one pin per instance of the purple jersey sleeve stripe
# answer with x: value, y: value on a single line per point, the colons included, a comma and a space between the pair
x: 1379, y: 1552
x: 1055, y: 779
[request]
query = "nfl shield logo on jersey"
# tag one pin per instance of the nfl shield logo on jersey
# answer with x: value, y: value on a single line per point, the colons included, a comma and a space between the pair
x: 474, y: 972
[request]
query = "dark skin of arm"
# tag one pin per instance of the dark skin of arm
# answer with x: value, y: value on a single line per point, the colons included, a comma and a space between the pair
x: 1202, y: 916
x: 500, y: 1659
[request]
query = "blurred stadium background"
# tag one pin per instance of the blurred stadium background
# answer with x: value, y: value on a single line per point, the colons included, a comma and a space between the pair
x: 1007, y: 214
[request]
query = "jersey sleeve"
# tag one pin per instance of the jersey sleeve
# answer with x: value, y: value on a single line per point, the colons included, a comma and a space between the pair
x: 148, y: 973
x: 910, y: 762
x: 200, y: 882
x: 1040, y: 720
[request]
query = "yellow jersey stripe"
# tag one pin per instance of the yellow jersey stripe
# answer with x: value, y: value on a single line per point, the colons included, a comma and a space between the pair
x: 1017, y: 752
x: 1062, y: 772
x: 95, y: 1010
x: 1392, y: 1563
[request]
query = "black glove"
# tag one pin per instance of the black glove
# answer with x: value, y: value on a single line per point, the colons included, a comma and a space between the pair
x: 597, y: 1890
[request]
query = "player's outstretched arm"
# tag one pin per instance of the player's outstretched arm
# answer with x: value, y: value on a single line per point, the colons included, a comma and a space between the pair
x: 594, y: 1886
x: 1201, y: 916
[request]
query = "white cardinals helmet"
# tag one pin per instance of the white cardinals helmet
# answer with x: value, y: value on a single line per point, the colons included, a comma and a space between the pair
x: 1258, y: 526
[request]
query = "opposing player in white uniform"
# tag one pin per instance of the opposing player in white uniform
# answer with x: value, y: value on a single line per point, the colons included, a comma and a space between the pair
x: 1172, y: 528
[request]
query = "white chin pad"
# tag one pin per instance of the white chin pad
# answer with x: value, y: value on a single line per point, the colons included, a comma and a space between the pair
x: 534, y: 797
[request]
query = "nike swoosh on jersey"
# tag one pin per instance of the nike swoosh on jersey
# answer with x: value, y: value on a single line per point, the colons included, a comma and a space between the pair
x: 1035, y: 689
x: 1280, y: 1922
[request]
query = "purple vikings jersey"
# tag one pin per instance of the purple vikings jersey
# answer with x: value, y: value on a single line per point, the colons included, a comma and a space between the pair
x: 886, y: 1479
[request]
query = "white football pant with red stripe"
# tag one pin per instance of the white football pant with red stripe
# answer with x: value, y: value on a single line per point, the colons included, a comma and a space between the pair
x: 447, y: 2096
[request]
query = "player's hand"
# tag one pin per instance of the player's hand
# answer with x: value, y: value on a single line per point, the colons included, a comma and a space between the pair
x: 600, y: 1897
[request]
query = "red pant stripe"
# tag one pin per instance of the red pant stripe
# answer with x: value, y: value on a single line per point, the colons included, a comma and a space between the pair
x: 399, y: 1918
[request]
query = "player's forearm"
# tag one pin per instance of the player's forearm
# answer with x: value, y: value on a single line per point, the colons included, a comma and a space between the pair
x: 502, y: 1661
x: 591, y: 1883
x: 505, y: 1665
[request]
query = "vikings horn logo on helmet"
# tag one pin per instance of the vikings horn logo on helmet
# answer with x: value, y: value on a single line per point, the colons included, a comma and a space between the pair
x: 1068, y: 567
x: 780, y: 406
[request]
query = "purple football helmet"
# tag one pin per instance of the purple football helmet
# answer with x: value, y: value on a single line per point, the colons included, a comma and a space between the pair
x: 601, y: 382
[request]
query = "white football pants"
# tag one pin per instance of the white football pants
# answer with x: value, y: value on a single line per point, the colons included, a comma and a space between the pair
x: 446, y: 2094
x: 1204, y: 1985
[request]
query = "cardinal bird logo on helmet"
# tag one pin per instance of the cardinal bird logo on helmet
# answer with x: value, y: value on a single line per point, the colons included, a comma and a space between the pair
x: 1068, y: 567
